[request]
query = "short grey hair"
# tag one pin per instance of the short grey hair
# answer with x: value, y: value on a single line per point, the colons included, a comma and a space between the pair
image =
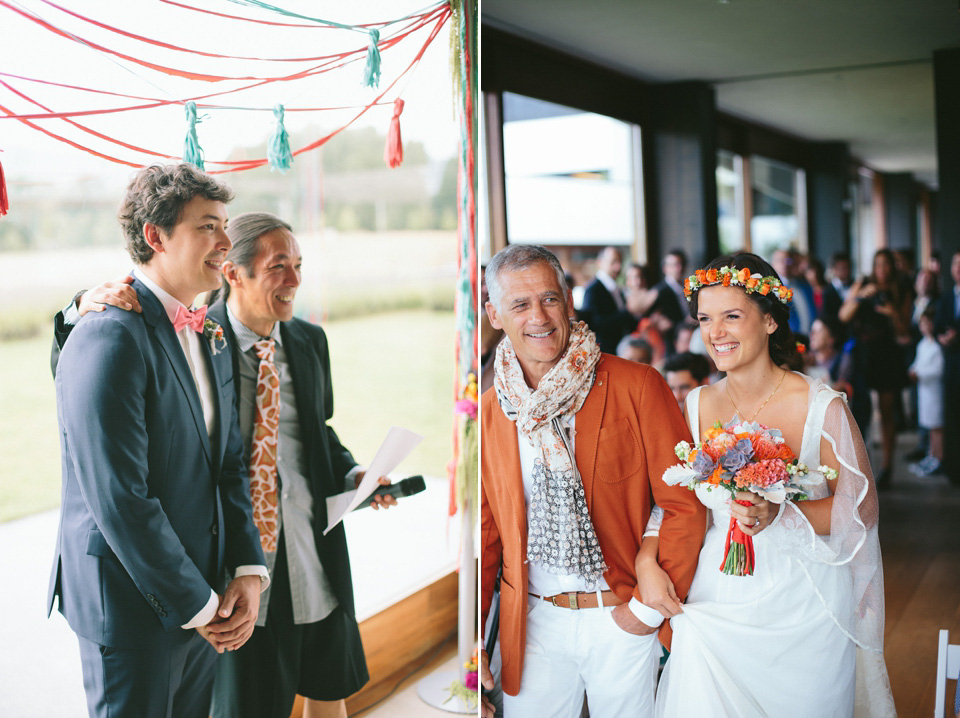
x: 515, y: 258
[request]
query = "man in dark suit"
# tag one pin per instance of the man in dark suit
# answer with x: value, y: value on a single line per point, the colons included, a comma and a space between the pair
x: 307, y: 640
x: 155, y: 502
x: 604, y: 308
x: 670, y: 303
x: 947, y: 329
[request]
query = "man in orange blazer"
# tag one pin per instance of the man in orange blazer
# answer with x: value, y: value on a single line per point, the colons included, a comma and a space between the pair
x: 574, y: 444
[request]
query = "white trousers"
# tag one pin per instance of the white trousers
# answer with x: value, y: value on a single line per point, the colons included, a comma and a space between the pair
x: 571, y: 652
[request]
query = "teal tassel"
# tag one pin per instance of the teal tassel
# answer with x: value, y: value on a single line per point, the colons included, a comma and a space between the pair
x: 371, y: 75
x: 191, y: 145
x: 278, y: 151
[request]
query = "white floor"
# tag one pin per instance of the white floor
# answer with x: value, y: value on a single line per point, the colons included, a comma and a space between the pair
x: 393, y: 553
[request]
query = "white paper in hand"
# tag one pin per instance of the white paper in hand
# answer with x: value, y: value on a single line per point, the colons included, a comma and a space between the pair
x: 394, y: 449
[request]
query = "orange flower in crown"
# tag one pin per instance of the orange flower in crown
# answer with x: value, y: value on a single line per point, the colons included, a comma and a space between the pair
x: 733, y: 277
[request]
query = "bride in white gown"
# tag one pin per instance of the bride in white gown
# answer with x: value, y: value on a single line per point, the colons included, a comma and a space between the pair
x: 803, y: 636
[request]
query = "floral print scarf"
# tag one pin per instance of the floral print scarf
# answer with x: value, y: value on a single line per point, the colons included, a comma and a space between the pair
x: 560, y: 536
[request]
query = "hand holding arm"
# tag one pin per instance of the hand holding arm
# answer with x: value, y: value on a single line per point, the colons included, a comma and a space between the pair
x: 655, y: 585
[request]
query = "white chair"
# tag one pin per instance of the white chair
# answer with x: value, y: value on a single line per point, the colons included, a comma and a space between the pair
x: 948, y: 668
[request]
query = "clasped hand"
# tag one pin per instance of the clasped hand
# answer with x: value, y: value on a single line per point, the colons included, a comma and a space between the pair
x: 754, y: 518
x: 236, y: 616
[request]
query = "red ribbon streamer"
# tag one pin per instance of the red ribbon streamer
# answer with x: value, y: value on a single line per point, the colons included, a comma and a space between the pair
x: 177, y: 48
x: 314, y: 26
x: 325, y: 67
x: 175, y: 71
x: 4, y: 198
x: 393, y: 152
x: 441, y: 19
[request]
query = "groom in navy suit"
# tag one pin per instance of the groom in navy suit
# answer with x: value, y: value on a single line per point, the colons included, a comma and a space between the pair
x: 155, y: 502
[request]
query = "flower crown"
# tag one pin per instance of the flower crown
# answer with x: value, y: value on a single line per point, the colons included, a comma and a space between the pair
x: 738, y: 277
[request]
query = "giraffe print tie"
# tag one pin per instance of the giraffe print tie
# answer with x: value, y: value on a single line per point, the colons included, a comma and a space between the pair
x: 263, y: 453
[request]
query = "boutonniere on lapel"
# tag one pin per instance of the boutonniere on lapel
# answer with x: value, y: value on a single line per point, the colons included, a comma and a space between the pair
x: 214, y: 334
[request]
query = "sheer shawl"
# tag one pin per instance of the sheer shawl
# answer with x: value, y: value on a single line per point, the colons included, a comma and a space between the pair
x: 852, y: 543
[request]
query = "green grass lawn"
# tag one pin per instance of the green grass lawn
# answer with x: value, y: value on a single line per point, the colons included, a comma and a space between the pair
x: 395, y: 368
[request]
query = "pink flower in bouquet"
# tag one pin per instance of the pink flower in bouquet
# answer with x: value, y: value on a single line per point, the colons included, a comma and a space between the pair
x: 762, y: 474
x: 470, y: 680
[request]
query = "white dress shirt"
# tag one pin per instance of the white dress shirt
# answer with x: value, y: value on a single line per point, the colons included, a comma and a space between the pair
x: 544, y: 583
x: 311, y: 594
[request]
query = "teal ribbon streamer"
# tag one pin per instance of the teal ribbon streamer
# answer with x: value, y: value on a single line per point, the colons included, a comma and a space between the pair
x: 192, y: 152
x: 278, y: 151
x: 371, y: 74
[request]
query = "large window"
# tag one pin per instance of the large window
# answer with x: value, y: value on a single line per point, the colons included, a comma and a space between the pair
x: 761, y: 205
x: 570, y: 175
x: 731, y: 208
x: 779, y: 207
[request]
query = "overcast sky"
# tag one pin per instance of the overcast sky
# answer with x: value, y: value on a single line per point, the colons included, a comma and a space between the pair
x: 32, y: 51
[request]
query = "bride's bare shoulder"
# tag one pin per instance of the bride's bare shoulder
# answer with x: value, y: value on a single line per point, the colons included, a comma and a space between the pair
x: 711, y: 396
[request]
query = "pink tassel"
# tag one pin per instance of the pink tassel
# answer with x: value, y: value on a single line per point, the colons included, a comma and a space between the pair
x: 393, y: 152
x: 4, y: 198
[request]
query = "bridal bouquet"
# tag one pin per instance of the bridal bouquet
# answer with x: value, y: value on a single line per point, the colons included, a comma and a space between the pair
x: 743, y: 456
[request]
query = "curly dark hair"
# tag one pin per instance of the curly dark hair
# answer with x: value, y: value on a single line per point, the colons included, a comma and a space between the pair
x: 783, y: 345
x: 157, y: 195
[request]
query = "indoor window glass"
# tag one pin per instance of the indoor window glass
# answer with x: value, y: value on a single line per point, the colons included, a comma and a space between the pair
x: 777, y: 199
x: 569, y: 175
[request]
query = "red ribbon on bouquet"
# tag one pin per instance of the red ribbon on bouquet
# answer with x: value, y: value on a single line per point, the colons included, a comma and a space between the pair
x: 738, y: 556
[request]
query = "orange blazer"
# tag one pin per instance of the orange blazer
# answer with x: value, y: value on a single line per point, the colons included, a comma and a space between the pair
x: 625, y: 434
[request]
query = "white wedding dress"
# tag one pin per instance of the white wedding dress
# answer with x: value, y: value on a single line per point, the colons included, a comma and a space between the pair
x: 803, y: 636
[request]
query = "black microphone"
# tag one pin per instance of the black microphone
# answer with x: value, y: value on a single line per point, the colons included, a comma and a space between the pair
x: 406, y: 487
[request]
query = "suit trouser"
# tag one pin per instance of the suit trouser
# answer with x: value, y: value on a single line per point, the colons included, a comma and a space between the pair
x: 570, y: 652
x: 170, y: 681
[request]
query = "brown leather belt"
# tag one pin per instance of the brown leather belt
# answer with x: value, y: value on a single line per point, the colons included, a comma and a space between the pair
x: 584, y: 599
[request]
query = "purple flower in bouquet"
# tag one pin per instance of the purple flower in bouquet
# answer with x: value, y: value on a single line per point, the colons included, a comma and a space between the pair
x: 703, y: 464
x: 738, y: 456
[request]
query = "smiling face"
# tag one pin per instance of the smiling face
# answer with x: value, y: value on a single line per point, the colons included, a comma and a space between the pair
x: 265, y: 295
x: 535, y: 313
x: 188, y: 261
x: 734, y: 330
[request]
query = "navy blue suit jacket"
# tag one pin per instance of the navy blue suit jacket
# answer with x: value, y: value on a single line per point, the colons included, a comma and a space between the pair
x: 601, y: 314
x: 153, y: 511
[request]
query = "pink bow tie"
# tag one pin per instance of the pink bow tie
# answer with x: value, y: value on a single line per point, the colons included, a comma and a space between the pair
x: 193, y: 319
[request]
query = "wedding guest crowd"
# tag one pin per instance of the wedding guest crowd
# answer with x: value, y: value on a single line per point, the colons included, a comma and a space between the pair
x: 861, y: 334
